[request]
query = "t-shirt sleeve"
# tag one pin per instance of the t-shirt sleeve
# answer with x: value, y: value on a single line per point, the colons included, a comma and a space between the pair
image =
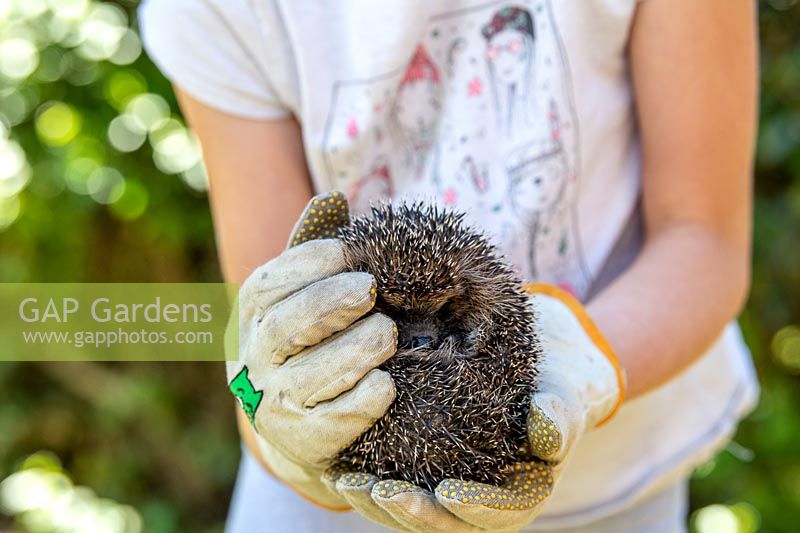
x: 214, y: 52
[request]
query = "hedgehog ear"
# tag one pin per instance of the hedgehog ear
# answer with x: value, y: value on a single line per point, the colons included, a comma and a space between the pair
x: 321, y: 219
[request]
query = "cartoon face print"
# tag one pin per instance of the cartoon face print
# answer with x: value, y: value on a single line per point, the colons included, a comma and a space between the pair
x: 537, y: 178
x: 510, y: 46
x: 509, y: 53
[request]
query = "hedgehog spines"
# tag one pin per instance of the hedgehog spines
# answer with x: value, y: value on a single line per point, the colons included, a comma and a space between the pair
x: 465, y: 366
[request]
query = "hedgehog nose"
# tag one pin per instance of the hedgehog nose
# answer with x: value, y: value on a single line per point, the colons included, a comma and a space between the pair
x: 417, y: 342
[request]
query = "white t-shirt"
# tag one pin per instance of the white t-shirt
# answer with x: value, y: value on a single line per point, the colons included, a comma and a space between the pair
x: 518, y: 113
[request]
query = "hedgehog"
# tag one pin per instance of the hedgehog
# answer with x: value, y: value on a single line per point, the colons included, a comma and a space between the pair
x: 465, y: 366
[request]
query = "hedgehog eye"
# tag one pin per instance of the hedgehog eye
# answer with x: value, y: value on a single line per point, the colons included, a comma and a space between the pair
x: 418, y: 342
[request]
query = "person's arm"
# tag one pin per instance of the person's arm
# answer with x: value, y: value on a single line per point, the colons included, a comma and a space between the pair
x: 259, y: 184
x: 694, y: 67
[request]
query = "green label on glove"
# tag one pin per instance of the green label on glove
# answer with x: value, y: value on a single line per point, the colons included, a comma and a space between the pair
x: 248, y: 396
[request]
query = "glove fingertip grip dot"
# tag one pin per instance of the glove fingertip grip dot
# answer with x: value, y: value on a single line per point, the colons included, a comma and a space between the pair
x: 543, y: 435
x: 322, y: 218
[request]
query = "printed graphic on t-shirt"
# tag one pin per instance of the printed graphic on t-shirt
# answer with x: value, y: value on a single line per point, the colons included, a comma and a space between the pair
x: 480, y: 119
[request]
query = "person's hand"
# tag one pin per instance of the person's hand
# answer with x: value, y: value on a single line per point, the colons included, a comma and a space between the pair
x: 579, y: 386
x: 580, y: 383
x: 455, y: 505
x: 306, y: 371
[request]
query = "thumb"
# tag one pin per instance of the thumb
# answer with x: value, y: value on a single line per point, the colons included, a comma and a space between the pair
x: 554, y: 425
x: 322, y: 217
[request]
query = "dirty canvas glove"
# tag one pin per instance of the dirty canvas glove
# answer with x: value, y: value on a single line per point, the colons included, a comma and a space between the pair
x: 580, y: 385
x: 455, y: 505
x: 306, y: 374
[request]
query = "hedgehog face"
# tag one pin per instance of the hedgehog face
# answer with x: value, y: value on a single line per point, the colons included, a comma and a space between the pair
x: 421, y: 334
x: 422, y: 311
x: 426, y: 330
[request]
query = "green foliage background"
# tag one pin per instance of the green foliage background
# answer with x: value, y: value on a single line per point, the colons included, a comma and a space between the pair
x: 161, y: 437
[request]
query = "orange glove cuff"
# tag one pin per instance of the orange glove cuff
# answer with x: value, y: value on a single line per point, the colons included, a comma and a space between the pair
x: 591, y: 329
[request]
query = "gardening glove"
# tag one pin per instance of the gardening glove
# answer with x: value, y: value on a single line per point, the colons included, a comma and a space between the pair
x: 454, y: 506
x: 579, y: 386
x: 306, y: 373
x: 580, y: 383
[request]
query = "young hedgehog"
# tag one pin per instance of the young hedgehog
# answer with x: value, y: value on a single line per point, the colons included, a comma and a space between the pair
x: 465, y: 366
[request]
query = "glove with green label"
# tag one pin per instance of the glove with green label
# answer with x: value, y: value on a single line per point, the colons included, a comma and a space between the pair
x: 305, y: 371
